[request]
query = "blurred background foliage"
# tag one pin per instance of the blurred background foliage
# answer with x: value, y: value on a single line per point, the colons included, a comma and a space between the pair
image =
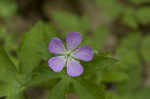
x: 117, y: 30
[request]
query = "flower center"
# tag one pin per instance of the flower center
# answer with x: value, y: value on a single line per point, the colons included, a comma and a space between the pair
x: 68, y: 54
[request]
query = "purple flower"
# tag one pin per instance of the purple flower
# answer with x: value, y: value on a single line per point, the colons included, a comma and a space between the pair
x: 68, y: 56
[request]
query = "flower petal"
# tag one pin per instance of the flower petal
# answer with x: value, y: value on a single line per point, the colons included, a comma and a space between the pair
x: 84, y: 53
x: 74, y: 68
x: 73, y: 39
x: 57, y: 63
x: 56, y: 46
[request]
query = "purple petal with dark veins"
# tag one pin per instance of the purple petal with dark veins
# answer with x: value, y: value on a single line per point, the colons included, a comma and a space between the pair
x: 57, y: 63
x: 56, y: 46
x: 74, y: 68
x: 73, y: 39
x: 84, y: 53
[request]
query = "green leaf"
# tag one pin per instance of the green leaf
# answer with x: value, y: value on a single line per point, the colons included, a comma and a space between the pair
x: 142, y: 15
x: 111, y: 9
x: 114, y: 76
x: 8, y: 75
x: 100, y: 62
x: 8, y: 8
x: 127, y: 49
x: 48, y: 33
x: 3, y: 32
x: 130, y: 63
x: 16, y: 96
x: 140, y: 93
x: 86, y: 90
x: 93, y: 71
x: 82, y: 91
x: 7, y: 69
x: 32, y: 49
x: 129, y: 18
x: 146, y: 48
x: 60, y: 90
x: 98, y: 38
x: 44, y: 76
x: 71, y: 23
x: 143, y: 93
x: 10, y: 43
x: 111, y: 95
x: 7, y: 88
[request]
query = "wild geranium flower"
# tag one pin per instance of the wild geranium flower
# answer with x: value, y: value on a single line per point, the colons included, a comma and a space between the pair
x: 69, y: 55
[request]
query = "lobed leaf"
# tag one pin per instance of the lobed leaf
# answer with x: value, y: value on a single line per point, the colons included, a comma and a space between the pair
x: 44, y: 76
x: 7, y: 68
x: 86, y: 90
x: 60, y: 90
x: 34, y: 46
